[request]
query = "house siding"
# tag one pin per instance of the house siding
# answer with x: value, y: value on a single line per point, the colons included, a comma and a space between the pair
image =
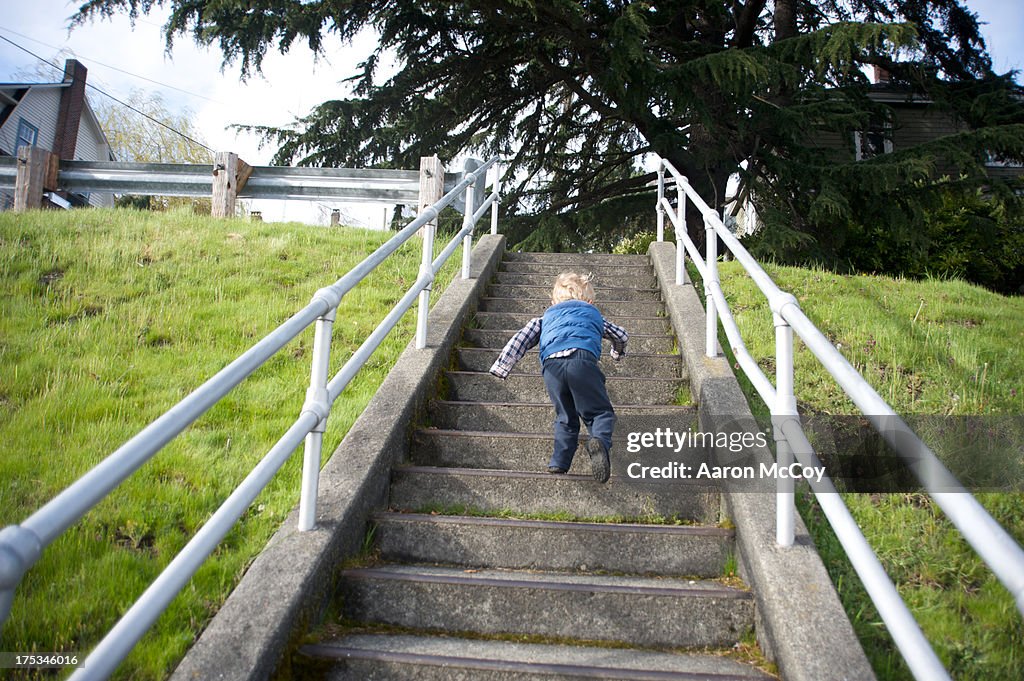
x: 92, y: 146
x: 39, y: 107
x: 918, y: 125
x: 834, y: 142
x: 912, y: 125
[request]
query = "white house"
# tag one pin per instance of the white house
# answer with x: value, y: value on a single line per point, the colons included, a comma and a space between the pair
x: 57, y: 117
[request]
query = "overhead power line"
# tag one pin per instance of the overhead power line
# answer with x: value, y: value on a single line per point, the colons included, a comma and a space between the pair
x: 115, y: 68
x: 107, y: 94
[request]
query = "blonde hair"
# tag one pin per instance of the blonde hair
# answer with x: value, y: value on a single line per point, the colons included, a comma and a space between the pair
x: 572, y: 286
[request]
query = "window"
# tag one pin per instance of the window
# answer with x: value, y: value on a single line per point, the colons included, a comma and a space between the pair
x: 874, y: 141
x: 27, y: 135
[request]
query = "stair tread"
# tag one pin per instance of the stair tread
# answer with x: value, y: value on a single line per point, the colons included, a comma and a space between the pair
x: 597, y: 303
x: 628, y: 548
x: 535, y: 351
x: 529, y: 256
x: 631, y: 336
x: 451, y: 432
x: 652, y: 289
x: 488, y: 313
x: 632, y: 407
x: 531, y: 374
x: 512, y: 435
x: 565, y: 660
x: 576, y: 526
x: 552, y: 581
x: 516, y: 265
x: 541, y: 475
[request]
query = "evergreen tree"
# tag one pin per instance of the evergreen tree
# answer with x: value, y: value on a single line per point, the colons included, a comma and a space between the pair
x: 576, y: 93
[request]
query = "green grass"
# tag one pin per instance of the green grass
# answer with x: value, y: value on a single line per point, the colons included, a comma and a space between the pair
x: 928, y: 347
x: 109, y: 318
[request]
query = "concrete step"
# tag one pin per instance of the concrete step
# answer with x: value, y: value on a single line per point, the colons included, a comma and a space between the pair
x: 592, y: 259
x: 641, y: 364
x: 654, y: 366
x: 483, y: 387
x: 606, y: 273
x: 611, y: 309
x: 512, y: 320
x: 532, y: 451
x: 636, y: 610
x: 615, y: 276
x: 418, y: 488
x: 537, y: 418
x: 405, y: 657
x: 638, y: 343
x: 603, y: 292
x: 697, y: 551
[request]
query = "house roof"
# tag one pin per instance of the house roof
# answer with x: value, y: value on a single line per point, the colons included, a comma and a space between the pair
x: 23, y: 86
x: 11, y: 95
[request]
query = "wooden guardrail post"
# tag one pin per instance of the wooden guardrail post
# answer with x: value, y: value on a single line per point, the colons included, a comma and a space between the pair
x: 431, y: 186
x: 230, y: 174
x: 37, y: 171
x: 225, y: 184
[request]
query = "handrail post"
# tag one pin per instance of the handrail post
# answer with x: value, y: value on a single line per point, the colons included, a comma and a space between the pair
x: 317, y: 401
x: 681, y: 276
x: 711, y: 267
x: 467, y: 222
x: 497, y: 195
x: 784, y: 408
x: 426, y: 270
x: 661, y: 197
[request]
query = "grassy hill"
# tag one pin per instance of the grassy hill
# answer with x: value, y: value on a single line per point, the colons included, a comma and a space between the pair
x: 107, y: 319
x: 932, y: 347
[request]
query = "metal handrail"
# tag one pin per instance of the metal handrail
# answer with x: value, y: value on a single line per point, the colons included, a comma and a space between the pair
x: 22, y: 545
x: 990, y: 541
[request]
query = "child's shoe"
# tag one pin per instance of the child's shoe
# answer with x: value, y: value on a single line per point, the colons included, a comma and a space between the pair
x: 555, y: 470
x: 600, y: 465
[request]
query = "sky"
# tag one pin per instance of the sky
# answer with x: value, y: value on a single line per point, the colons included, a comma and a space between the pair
x: 192, y: 77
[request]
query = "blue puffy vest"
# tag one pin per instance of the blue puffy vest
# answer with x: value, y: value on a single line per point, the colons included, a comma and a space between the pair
x: 571, y: 324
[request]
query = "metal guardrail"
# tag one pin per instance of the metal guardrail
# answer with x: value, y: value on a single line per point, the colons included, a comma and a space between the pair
x: 22, y: 545
x: 990, y: 541
x: 265, y: 182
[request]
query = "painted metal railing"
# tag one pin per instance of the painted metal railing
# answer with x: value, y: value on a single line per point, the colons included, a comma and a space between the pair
x: 22, y: 545
x: 991, y: 542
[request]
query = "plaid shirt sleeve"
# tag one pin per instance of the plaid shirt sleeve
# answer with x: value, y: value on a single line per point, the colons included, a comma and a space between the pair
x: 517, y: 346
x: 618, y: 336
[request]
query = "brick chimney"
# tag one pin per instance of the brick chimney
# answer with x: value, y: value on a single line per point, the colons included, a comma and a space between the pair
x: 72, y: 101
x: 882, y: 75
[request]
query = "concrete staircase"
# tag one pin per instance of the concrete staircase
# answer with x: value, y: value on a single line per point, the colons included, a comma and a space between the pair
x: 486, y: 567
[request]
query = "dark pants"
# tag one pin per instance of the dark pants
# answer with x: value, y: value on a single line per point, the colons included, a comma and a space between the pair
x: 576, y: 387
